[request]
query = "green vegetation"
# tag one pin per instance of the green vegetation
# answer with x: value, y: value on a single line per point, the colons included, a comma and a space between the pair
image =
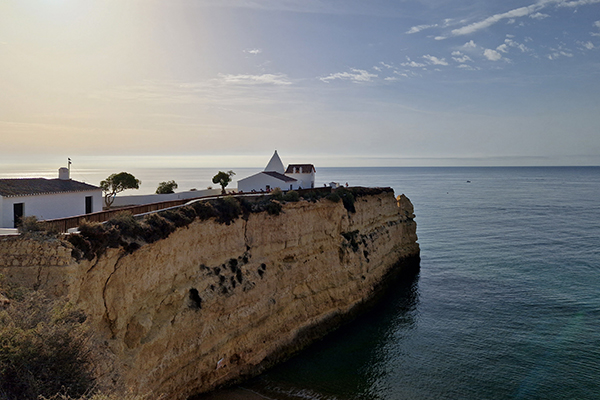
x: 31, y: 227
x: 166, y: 187
x: 130, y: 233
x: 223, y: 179
x: 44, y: 347
x: 291, y: 196
x: 116, y: 183
x: 347, y: 199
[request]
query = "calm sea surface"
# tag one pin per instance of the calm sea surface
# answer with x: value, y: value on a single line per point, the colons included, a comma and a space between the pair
x: 506, y: 306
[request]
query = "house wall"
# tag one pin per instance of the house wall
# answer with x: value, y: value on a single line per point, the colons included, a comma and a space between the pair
x: 49, y: 206
x: 305, y: 181
x: 260, y: 181
x: 135, y: 200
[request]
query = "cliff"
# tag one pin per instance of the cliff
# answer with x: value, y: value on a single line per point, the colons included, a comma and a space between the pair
x: 212, y: 302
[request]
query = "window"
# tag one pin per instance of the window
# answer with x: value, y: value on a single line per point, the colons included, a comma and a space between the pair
x: 88, y: 204
x: 18, y: 212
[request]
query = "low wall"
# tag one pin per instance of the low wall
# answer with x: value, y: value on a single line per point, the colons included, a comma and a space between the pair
x: 134, y: 200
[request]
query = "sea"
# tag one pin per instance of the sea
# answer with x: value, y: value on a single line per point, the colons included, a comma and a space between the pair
x: 506, y: 304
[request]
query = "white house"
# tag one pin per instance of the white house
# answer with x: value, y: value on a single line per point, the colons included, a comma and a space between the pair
x: 46, y: 198
x: 297, y: 176
x: 303, y: 173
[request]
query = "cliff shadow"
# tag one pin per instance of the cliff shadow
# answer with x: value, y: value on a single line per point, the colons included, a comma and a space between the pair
x: 344, y: 364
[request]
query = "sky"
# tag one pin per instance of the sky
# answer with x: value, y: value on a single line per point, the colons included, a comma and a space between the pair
x: 196, y: 83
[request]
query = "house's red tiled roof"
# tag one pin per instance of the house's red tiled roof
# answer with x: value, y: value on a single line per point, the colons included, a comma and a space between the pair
x: 37, y: 186
x: 279, y: 176
x: 302, y: 168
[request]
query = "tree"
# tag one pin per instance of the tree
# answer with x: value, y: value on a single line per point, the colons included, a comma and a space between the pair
x: 223, y: 179
x: 116, y: 183
x: 166, y: 187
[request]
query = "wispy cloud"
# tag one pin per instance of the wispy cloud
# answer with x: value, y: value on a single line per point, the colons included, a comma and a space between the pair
x: 489, y: 21
x: 460, y: 57
x: 532, y: 11
x: 419, y: 28
x: 264, y: 79
x: 539, y: 15
x: 355, y: 75
x: 434, y: 60
x: 559, y: 52
x: 253, y: 51
x: 587, y: 45
x: 576, y: 3
x: 412, y: 64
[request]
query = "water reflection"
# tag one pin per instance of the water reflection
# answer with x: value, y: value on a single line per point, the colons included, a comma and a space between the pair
x: 353, y: 362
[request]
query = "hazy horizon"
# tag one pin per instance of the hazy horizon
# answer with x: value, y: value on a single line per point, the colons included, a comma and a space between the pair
x: 337, y: 83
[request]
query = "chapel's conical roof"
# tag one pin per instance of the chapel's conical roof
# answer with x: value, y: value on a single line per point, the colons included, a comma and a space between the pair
x: 275, y: 164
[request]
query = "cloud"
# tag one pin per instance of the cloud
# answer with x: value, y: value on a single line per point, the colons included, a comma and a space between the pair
x: 246, y: 80
x: 597, y: 25
x: 419, y: 28
x: 434, y: 60
x: 355, y: 75
x: 412, y: 64
x: 460, y: 57
x: 560, y: 52
x: 489, y: 21
x: 538, y: 15
x: 388, y: 66
x: 577, y: 3
x: 253, y: 51
x: 492, y: 55
x: 511, y: 43
x: 503, y: 48
x: 470, y: 45
x: 588, y: 45
x: 467, y: 67
x: 533, y: 11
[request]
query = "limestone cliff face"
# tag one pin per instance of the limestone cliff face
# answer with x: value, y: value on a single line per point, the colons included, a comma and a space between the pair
x: 213, y: 302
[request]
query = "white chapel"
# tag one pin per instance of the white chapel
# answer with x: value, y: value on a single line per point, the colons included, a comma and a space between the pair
x: 296, y: 176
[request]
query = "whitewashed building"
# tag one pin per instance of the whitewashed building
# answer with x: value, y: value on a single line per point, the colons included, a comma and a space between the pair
x: 46, y: 198
x: 303, y: 173
x: 297, y: 176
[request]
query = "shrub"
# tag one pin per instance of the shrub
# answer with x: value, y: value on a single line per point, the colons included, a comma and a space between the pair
x: 30, y: 224
x: 204, y: 210
x: 93, y: 239
x: 43, y: 349
x: 156, y: 228
x: 189, y: 212
x: 126, y: 224
x: 347, y: 198
x: 274, y: 208
x: 277, y: 194
x: 228, y: 209
x: 177, y: 217
x: 333, y: 197
x: 291, y: 196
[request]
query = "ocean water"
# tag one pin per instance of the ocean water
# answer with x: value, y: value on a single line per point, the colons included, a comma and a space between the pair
x: 506, y: 304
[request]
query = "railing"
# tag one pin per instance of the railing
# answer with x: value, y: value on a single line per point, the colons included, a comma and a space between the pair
x: 64, y: 224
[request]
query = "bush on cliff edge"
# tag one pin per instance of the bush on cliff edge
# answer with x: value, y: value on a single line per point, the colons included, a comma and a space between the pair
x: 43, y: 347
